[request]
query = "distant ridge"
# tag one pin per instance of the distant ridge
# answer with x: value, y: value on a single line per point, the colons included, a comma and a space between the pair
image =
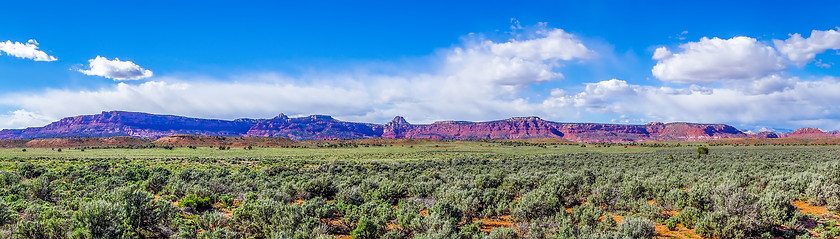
x: 317, y: 127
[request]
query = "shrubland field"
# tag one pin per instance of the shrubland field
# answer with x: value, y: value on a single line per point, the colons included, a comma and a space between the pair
x: 423, y: 189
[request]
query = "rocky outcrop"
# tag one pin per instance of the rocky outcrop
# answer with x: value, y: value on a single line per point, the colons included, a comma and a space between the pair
x: 396, y: 129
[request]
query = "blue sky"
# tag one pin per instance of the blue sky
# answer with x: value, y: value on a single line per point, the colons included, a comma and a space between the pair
x: 576, y: 61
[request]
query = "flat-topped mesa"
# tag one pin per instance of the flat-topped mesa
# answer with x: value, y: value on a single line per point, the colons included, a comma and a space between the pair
x: 683, y: 131
x: 313, y: 127
x: 121, y: 123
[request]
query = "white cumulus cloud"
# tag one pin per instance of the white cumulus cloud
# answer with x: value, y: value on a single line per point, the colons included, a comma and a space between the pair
x: 515, y: 62
x: 115, y: 69
x: 662, y: 53
x: 478, y: 80
x: 556, y: 44
x: 803, y: 50
x: 713, y: 60
x: 28, y: 50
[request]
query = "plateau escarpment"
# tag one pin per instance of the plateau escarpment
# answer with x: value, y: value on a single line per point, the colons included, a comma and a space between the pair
x: 320, y: 127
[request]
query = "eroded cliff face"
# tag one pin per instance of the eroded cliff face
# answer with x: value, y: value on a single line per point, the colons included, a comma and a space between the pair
x: 514, y: 128
x: 317, y: 127
x: 693, y: 132
x: 534, y: 127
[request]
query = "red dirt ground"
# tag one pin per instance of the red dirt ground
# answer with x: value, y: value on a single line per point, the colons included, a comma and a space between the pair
x: 680, y: 232
x: 87, y: 142
x: 487, y: 224
x: 813, y: 210
x: 205, y: 141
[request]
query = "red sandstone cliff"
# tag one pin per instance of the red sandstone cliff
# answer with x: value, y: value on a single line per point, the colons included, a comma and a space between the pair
x: 150, y: 126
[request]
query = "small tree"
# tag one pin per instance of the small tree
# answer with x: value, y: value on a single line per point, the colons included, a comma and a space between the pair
x: 702, y: 150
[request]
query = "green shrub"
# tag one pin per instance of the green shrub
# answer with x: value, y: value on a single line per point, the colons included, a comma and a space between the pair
x: 318, y: 187
x: 365, y: 229
x: 689, y: 216
x: 100, y: 219
x: 637, y: 228
x: 29, y: 170
x: 671, y: 223
x: 196, y: 202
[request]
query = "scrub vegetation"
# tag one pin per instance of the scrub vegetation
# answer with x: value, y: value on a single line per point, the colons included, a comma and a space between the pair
x: 429, y: 189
